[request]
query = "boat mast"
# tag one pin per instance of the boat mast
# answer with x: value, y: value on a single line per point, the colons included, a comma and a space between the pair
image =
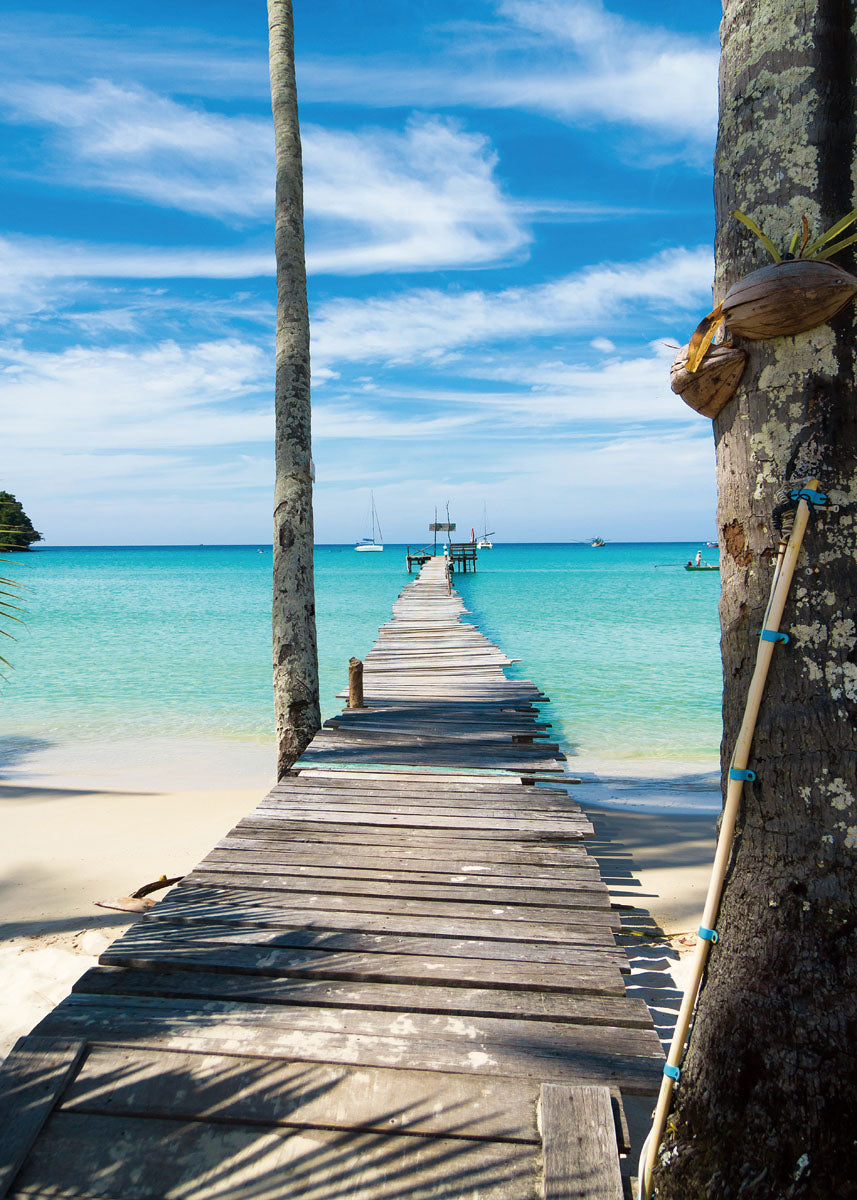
x: 376, y: 518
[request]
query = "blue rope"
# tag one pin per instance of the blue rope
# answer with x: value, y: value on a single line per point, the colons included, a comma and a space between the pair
x: 672, y: 1073
x: 708, y: 935
x: 773, y: 635
x: 735, y: 773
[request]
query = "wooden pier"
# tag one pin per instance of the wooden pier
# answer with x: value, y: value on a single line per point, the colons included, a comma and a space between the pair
x: 396, y: 978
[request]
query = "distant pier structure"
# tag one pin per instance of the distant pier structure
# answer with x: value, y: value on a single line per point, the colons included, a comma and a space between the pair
x: 461, y: 555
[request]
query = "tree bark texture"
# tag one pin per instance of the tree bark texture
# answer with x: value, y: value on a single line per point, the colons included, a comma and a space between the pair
x: 296, y: 700
x: 766, y: 1103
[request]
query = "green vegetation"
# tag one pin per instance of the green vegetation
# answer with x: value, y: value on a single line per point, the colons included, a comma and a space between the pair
x: 16, y: 528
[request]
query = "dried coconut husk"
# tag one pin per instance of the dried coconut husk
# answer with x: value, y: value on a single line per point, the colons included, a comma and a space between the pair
x: 712, y: 385
x: 786, y: 298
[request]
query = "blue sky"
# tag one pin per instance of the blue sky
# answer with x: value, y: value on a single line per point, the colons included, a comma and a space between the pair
x: 509, y: 226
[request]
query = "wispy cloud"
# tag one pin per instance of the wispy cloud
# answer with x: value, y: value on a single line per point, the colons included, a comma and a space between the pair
x: 131, y: 141
x: 426, y: 197
x: 139, y: 399
x: 375, y: 199
x: 574, y: 61
x: 428, y: 324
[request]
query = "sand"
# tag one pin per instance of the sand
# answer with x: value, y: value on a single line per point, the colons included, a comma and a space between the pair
x: 68, y: 843
x: 63, y: 848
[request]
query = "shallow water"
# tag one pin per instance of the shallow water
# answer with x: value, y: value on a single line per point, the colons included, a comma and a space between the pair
x: 144, y: 643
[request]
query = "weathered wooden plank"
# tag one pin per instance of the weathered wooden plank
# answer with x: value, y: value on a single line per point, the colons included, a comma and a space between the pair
x: 32, y: 1078
x: 110, y: 1156
x: 530, y: 1003
x: 629, y: 1058
x: 438, y: 844
x: 521, y: 1034
x: 571, y: 826
x: 593, y: 946
x: 448, y: 815
x: 461, y: 891
x: 543, y: 921
x: 474, y: 781
x: 218, y: 1087
x: 523, y: 800
x: 268, y: 906
x: 581, y: 877
x: 377, y: 830
x: 453, y: 805
x: 581, y: 1157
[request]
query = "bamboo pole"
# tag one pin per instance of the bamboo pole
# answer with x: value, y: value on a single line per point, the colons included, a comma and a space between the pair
x: 787, y: 561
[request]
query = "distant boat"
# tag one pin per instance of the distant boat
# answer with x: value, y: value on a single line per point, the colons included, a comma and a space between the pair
x: 485, y: 542
x: 596, y: 541
x: 702, y: 567
x: 711, y: 545
x: 369, y: 543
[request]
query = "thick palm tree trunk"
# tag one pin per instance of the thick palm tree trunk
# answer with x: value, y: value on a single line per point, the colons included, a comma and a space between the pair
x: 766, y: 1105
x: 295, y: 654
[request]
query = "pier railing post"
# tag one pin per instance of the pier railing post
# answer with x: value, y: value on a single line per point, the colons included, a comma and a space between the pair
x: 355, y: 683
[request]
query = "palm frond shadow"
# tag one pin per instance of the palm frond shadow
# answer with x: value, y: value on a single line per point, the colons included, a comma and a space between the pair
x: 190, y: 1125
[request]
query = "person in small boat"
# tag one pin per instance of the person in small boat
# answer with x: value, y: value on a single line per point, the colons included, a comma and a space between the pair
x: 689, y: 563
x: 699, y: 558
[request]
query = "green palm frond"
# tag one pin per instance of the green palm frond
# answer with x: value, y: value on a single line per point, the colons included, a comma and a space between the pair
x: 800, y: 246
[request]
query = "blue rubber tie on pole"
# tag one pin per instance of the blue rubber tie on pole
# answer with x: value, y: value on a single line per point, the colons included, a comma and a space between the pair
x: 735, y: 773
x: 773, y: 635
x: 809, y: 494
x: 672, y: 1072
x: 708, y: 935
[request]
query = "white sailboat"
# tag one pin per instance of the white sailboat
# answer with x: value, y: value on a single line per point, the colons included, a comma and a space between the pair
x: 484, y: 542
x: 369, y: 543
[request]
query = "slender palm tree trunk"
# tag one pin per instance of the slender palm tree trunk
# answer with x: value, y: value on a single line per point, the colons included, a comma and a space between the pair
x: 766, y: 1105
x: 295, y: 655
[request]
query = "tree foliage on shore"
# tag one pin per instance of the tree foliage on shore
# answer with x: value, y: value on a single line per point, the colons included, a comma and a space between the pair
x: 16, y: 528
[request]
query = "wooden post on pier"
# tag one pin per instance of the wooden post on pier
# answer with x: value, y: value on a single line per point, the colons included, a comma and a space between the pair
x: 355, y: 683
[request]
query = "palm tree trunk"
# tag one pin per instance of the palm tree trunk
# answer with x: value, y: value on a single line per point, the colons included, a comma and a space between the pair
x: 295, y: 655
x: 766, y: 1104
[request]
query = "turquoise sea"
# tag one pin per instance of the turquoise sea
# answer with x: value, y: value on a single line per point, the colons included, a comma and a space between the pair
x: 155, y: 642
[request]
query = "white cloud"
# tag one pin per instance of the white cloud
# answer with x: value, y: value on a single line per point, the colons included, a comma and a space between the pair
x: 631, y: 73
x: 425, y: 198
x: 427, y: 324
x: 24, y: 261
x: 163, y: 397
x: 573, y: 61
x: 129, y: 140
x: 375, y: 199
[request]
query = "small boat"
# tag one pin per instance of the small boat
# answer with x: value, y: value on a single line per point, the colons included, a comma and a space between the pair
x: 712, y: 545
x: 596, y: 541
x: 369, y: 543
x: 704, y: 566
x: 484, y: 542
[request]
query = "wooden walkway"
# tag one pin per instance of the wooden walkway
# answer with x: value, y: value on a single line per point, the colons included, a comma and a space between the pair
x: 389, y: 980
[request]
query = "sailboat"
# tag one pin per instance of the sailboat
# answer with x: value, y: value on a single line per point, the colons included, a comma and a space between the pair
x: 596, y: 542
x: 485, y: 542
x: 369, y: 543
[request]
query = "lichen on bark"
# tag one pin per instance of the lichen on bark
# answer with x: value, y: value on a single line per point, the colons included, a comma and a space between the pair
x: 766, y: 1106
